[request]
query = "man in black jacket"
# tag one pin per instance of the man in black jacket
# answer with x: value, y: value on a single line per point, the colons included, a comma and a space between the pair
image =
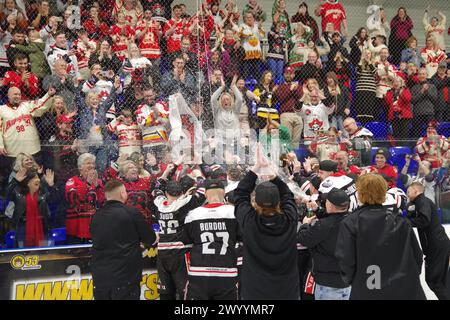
x: 434, y: 240
x: 269, y: 231
x: 320, y: 237
x: 117, y: 233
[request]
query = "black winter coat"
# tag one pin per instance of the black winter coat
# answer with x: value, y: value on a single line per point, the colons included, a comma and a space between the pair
x: 270, y: 245
x: 320, y: 238
x: 379, y: 256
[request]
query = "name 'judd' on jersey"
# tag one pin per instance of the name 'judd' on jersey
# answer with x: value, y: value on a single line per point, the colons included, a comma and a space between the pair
x: 171, y: 219
x: 212, y: 230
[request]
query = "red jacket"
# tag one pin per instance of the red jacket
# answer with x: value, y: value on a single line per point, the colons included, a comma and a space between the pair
x: 83, y: 200
x: 389, y: 171
x: 13, y: 79
x: 403, y: 104
x: 288, y: 99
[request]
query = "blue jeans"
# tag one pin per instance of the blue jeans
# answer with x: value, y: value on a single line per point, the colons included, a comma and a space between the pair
x: 329, y: 293
x: 337, y: 122
x: 277, y: 68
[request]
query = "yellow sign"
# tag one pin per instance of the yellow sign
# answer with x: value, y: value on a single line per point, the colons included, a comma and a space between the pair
x: 79, y: 289
x: 21, y: 262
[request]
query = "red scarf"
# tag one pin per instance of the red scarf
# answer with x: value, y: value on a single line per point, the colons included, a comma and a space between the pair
x: 34, y: 231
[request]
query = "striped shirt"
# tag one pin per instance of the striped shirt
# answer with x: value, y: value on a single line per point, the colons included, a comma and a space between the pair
x: 366, y: 80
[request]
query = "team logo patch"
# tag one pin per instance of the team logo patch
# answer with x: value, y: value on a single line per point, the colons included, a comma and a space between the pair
x: 327, y: 184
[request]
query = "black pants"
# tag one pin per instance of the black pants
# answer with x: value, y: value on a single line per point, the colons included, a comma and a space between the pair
x: 436, y: 271
x: 172, y: 276
x: 211, y: 288
x: 131, y: 291
x: 400, y: 128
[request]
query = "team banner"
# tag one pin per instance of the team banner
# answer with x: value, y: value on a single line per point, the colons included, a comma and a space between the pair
x: 60, y: 273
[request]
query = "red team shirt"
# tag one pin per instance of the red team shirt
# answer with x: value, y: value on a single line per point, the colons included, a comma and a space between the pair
x: 333, y: 13
x: 174, y: 41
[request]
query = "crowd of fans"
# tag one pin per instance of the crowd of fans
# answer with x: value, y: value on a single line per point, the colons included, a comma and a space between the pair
x: 95, y: 90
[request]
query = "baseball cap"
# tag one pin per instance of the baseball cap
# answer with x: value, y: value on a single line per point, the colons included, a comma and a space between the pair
x: 338, y: 197
x: 384, y: 153
x: 64, y: 119
x: 214, y: 184
x: 328, y: 165
x: 289, y: 69
x: 267, y: 195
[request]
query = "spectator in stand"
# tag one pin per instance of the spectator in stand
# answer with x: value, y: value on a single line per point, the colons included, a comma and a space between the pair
x: 366, y: 89
x: 375, y: 46
x: 311, y: 69
x: 122, y: 35
x: 153, y: 118
x: 68, y: 25
x: 84, y: 48
x: 327, y: 149
x: 401, y: 26
x: 35, y: 51
x: 218, y: 59
x: 333, y: 17
x: 412, y: 54
x: 9, y: 7
x: 277, y: 52
x: 399, y: 108
x: 273, y: 130
x: 18, y: 37
x: 442, y: 82
x: 139, y: 159
x: 137, y: 68
x: 435, y: 27
x: 84, y: 194
x: 234, y: 48
x: 5, y: 38
x: 343, y: 164
x: 64, y: 84
x: 22, y: 78
x: 432, y: 56
x: 340, y: 66
x: 41, y: 19
x: 105, y: 57
x: 148, y: 34
x: 359, y: 143
x: 339, y: 96
x: 199, y: 33
x: 288, y: 94
x: 315, y: 118
x: 256, y: 9
x: 303, y: 16
x: 18, y: 130
x: 263, y: 95
x: 191, y: 58
x: 127, y: 131
x: 48, y: 33
x: 412, y: 77
x: 424, y: 176
x: 358, y: 44
x: 386, y: 73
x: 381, y: 25
x: 91, y: 124
x: 374, y: 236
x: 424, y: 97
x: 309, y: 86
x: 174, y: 29
x: 61, y: 50
x: 382, y: 167
x: 31, y: 213
x: 132, y: 9
x: 281, y: 17
x: 244, y: 116
x: 337, y: 47
x: 179, y: 80
x: 251, y: 34
x: 206, y: 91
x: 298, y: 44
x: 95, y: 27
x: 432, y: 147
x: 46, y: 124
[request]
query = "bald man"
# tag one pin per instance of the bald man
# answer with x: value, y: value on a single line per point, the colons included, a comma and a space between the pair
x: 18, y: 133
x: 358, y: 141
x: 422, y: 213
x: 117, y: 233
x: 342, y: 161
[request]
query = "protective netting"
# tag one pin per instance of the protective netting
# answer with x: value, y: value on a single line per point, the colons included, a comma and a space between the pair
x: 204, y: 82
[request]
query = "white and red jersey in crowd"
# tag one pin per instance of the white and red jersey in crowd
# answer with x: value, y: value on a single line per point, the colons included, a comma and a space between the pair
x: 18, y: 131
x: 101, y: 87
x: 133, y: 68
x: 57, y: 53
x: 132, y: 15
x: 315, y: 119
x: 4, y: 45
x: 431, y: 59
x: 83, y: 199
x: 149, y: 43
x: 126, y: 31
x: 333, y: 13
x: 385, y: 78
x: 251, y: 40
x: 129, y: 136
x: 200, y: 42
x: 84, y: 51
x: 14, y: 79
x: 174, y: 40
x: 432, y: 149
x: 154, y: 129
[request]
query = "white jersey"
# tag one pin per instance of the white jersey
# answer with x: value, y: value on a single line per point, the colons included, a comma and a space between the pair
x: 18, y: 131
x: 57, y: 53
x: 396, y: 200
x: 315, y: 120
x: 344, y: 183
